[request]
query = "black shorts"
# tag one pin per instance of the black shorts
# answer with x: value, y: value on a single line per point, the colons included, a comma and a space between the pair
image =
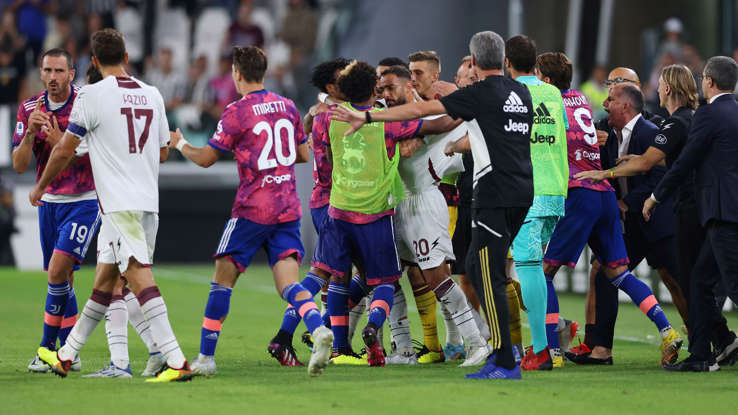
x: 461, y: 239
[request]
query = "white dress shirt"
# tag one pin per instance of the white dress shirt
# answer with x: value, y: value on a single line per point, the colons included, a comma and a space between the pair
x: 623, y: 144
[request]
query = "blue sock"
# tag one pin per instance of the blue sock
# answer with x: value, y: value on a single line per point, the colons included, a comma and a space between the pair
x: 313, y: 284
x: 535, y: 292
x: 643, y: 297
x: 338, y: 309
x: 381, y: 304
x: 56, y: 301
x: 216, y: 310
x: 552, y: 314
x: 357, y: 289
x: 305, y: 307
x: 70, y: 317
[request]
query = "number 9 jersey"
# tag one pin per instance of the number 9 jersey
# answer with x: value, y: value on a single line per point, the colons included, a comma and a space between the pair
x: 263, y: 130
x: 581, y: 141
x: 124, y: 124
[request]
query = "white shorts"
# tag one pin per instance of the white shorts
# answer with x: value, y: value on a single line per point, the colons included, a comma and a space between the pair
x: 422, y: 229
x: 127, y: 234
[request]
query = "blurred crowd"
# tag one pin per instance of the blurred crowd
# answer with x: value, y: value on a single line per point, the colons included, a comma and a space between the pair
x: 187, y: 54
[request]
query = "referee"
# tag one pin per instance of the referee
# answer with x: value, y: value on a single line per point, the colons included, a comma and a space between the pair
x: 500, y: 115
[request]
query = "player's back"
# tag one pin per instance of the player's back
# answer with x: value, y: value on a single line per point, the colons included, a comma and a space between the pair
x: 263, y: 129
x: 125, y: 125
x: 581, y: 138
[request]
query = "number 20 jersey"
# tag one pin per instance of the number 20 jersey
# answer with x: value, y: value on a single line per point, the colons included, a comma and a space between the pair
x: 263, y: 130
x: 124, y: 124
x: 581, y: 141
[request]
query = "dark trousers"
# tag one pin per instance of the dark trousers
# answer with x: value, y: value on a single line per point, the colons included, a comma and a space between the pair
x: 493, y: 230
x: 660, y: 254
x: 690, y: 236
x: 717, y: 262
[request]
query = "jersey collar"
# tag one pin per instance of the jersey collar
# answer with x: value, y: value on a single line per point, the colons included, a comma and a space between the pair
x: 69, y: 99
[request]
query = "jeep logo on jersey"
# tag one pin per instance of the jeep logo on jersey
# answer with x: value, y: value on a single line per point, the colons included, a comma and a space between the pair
x: 540, y: 138
x: 513, y: 103
x: 518, y: 127
x: 543, y: 116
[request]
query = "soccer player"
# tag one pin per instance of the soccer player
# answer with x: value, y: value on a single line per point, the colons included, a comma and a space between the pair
x: 502, y: 195
x: 69, y: 216
x: 360, y: 224
x: 592, y: 216
x: 265, y: 132
x: 116, y: 117
x: 324, y: 78
x: 425, y: 69
x: 550, y: 173
x: 422, y: 230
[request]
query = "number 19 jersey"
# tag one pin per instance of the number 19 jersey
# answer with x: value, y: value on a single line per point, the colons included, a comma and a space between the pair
x: 124, y: 124
x: 263, y: 130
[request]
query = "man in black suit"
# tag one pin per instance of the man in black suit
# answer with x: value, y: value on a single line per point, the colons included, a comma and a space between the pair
x: 711, y: 150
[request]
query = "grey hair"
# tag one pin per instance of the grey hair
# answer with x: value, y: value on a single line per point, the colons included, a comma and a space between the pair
x: 634, y: 96
x: 488, y: 50
x: 723, y: 71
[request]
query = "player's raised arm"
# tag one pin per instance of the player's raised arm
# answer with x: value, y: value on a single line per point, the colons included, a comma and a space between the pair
x: 405, y: 112
x: 202, y: 156
x: 60, y: 157
x: 23, y: 151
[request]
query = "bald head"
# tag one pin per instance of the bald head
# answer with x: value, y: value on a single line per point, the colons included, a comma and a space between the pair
x: 622, y: 74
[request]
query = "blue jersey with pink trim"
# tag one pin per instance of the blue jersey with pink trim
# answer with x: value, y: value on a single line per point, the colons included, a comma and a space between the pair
x: 322, y: 165
x: 75, y: 179
x: 263, y: 130
x: 581, y: 141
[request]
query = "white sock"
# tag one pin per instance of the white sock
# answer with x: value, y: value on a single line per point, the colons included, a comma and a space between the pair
x: 156, y: 313
x: 116, y: 328
x: 139, y: 322
x: 455, y: 302
x: 481, y: 324
x: 452, y: 332
x: 355, y: 315
x: 88, y: 319
x: 399, y: 324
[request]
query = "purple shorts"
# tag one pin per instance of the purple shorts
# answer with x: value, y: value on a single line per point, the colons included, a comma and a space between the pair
x: 592, y: 218
x: 242, y: 238
x: 371, y: 246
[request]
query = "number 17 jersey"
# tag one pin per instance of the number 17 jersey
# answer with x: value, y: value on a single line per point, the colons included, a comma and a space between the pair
x: 124, y: 125
x: 263, y: 130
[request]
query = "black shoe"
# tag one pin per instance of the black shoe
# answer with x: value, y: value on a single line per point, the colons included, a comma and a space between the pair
x: 692, y: 364
x: 587, y: 359
x: 728, y: 354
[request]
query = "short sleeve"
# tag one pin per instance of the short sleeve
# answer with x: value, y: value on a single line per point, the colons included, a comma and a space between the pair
x: 321, y: 124
x: 670, y: 137
x: 224, y: 138
x: 21, y: 125
x: 402, y: 130
x: 461, y: 103
x: 163, y: 123
x: 82, y: 119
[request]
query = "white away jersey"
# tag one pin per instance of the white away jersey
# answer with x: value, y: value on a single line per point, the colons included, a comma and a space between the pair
x: 123, y: 123
x: 428, y: 164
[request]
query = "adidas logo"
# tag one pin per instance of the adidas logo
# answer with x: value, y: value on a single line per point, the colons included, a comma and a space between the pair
x: 212, y: 336
x: 542, y: 116
x: 77, y: 251
x: 513, y: 103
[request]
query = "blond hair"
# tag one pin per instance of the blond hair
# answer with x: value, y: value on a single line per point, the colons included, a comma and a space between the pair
x: 683, y: 86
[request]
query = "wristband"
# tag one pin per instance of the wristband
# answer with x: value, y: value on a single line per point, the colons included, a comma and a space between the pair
x: 181, y: 144
x: 652, y: 197
x: 368, y: 117
x: 612, y: 174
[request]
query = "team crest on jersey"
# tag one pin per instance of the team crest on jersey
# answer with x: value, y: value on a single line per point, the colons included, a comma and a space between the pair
x: 660, y: 139
x: 19, y: 128
x: 353, y: 156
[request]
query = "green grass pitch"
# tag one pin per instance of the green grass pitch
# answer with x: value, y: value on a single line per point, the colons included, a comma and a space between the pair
x: 249, y: 381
